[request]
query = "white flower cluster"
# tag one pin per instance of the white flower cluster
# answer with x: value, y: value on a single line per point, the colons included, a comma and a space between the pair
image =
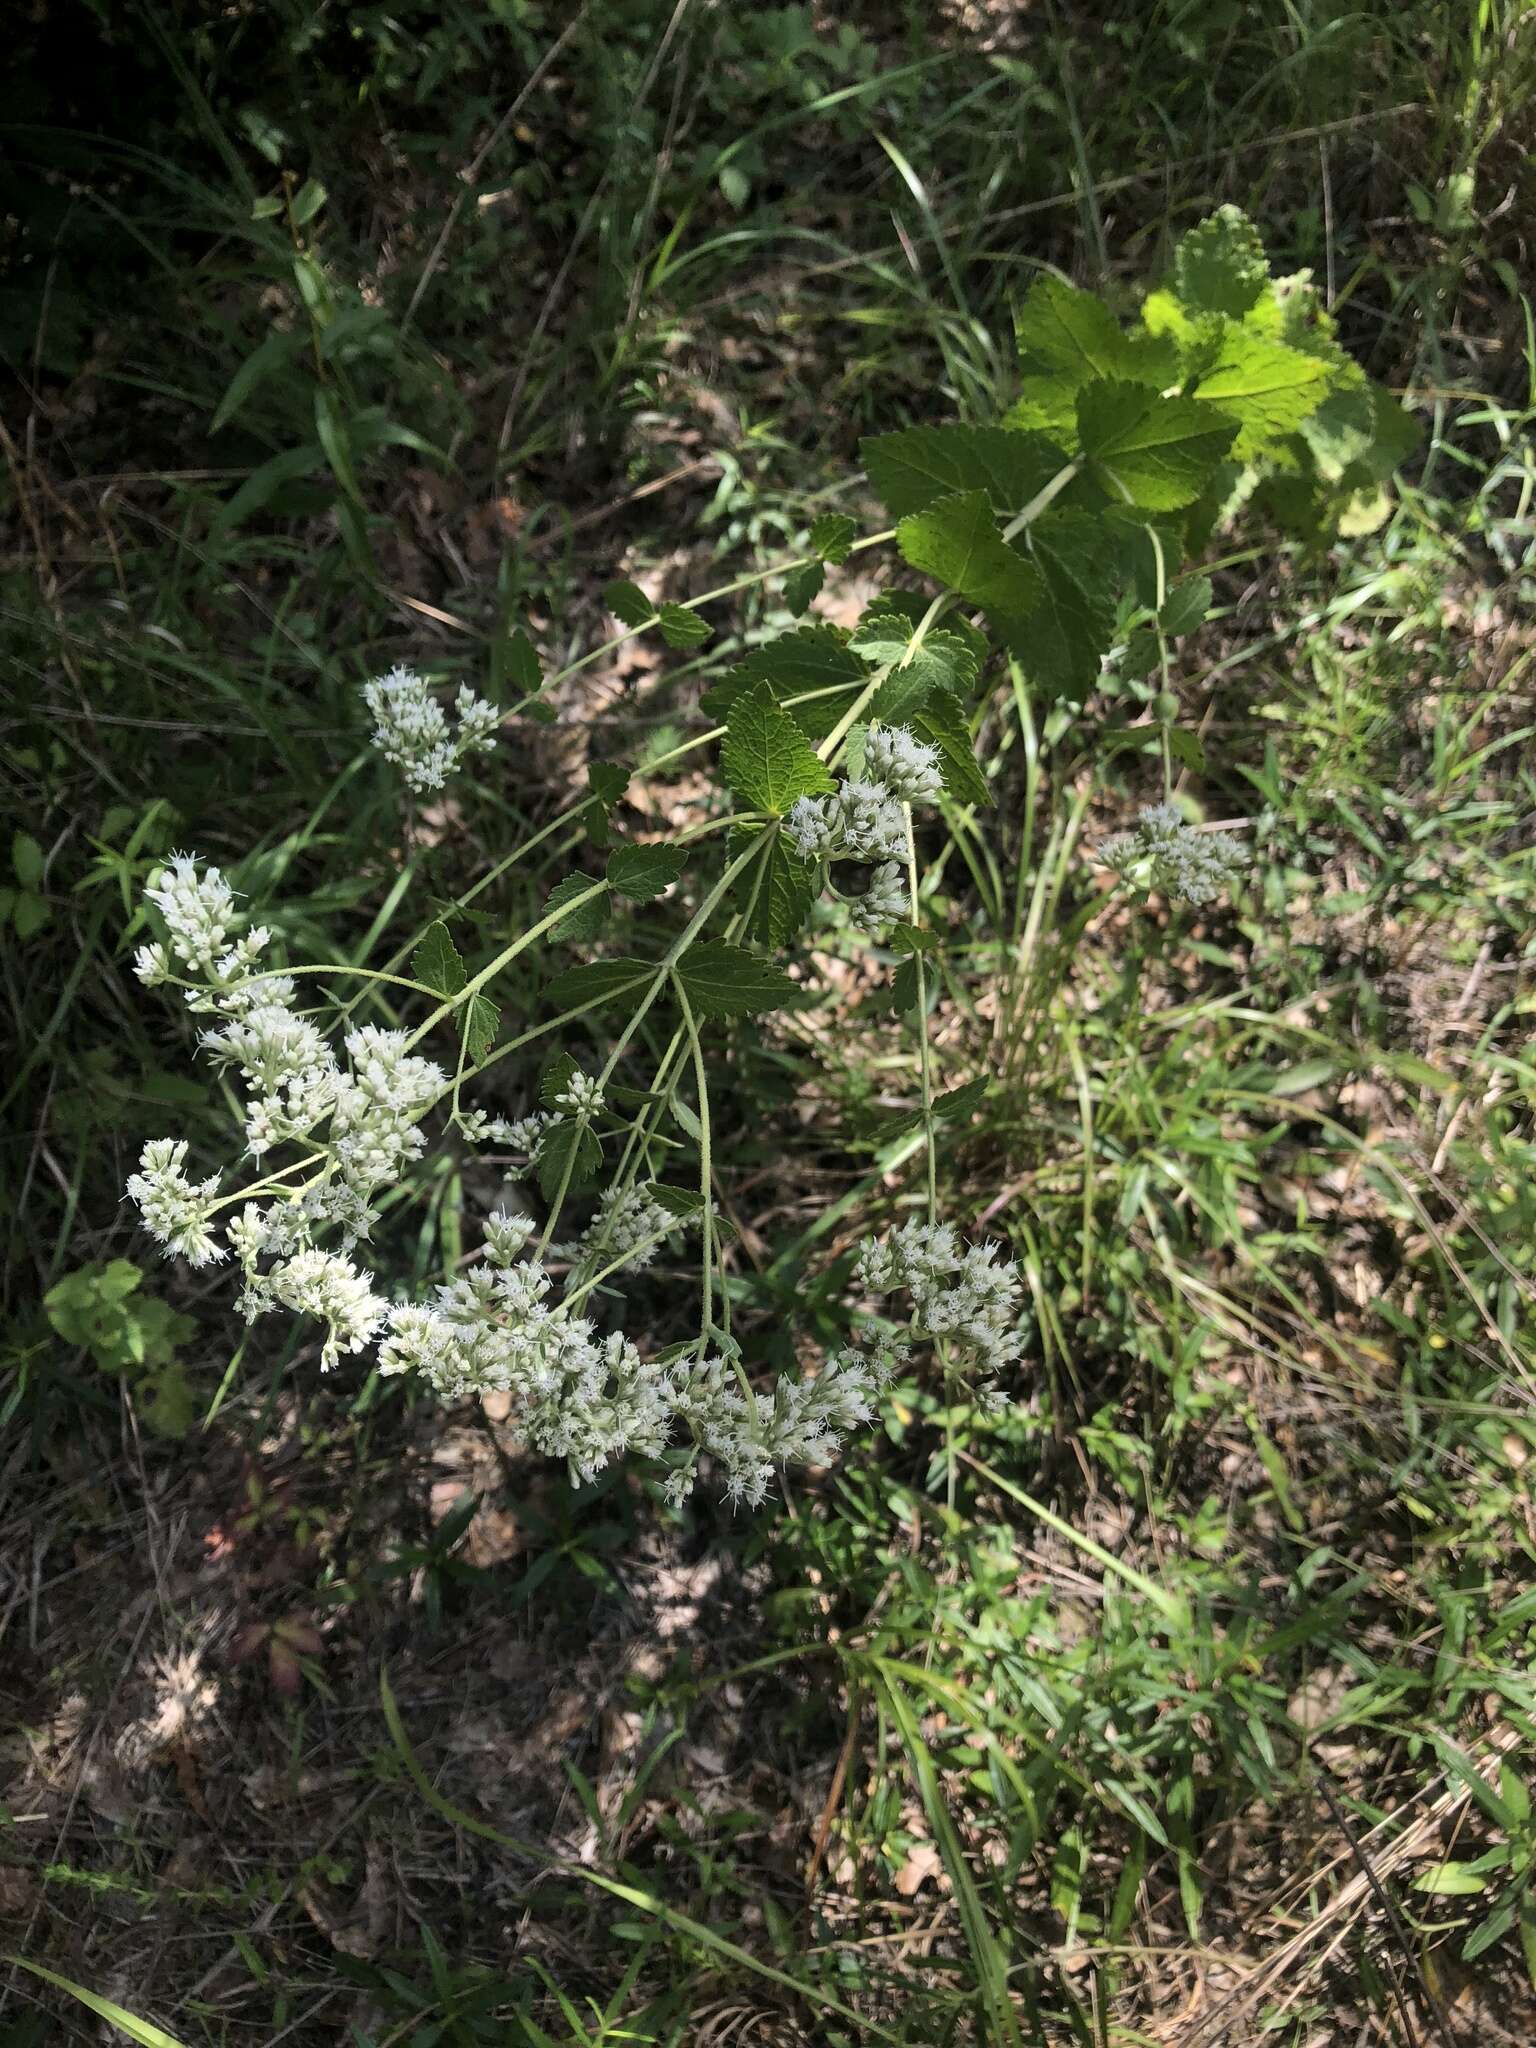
x: 354, y: 1113
x: 590, y: 1398
x: 582, y: 1095
x: 176, y: 1210
x: 1166, y: 853
x: 359, y: 1113
x: 198, y: 907
x: 966, y: 1295
x: 865, y: 820
x: 410, y: 727
x: 883, y: 903
x: 908, y: 767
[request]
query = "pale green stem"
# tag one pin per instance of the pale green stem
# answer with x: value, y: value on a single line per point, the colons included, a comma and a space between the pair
x: 692, y: 604
x: 658, y: 980
x: 477, y: 982
x: 579, y: 1293
x: 830, y: 746
x: 1045, y: 496
x: 706, y: 1170
x: 270, y: 1183
x: 925, y: 1052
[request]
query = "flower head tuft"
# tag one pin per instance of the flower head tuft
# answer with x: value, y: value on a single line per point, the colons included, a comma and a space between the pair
x: 176, y: 1210
x: 411, y: 729
x: 1166, y: 853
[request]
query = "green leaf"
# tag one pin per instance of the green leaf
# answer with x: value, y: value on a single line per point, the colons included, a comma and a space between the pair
x: 722, y: 980
x: 1070, y: 336
x: 569, y: 1155
x: 1187, y: 605
x: 482, y: 1021
x: 1450, y: 1880
x: 776, y: 891
x: 1340, y: 432
x: 942, y: 722
x: 628, y: 603
x: 951, y: 1107
x: 144, y: 2032
x: 643, y: 872
x: 1220, y: 265
x: 307, y: 202
x: 1153, y: 452
x: 1494, y: 1928
x: 599, y: 981
x: 832, y: 536
x: 912, y: 468
x: 1395, y: 435
x: 912, y: 605
x: 270, y: 355
x: 173, y: 1405
x: 286, y: 467
x: 436, y: 963
x: 943, y: 661
x: 1186, y: 748
x: 766, y: 759
x: 607, y: 782
x: 816, y: 658
x: 957, y: 541
x: 957, y: 1103
x: 332, y: 433
x: 1303, y: 1077
x: 681, y: 627
x: 30, y: 913
x: 1267, y: 388
x: 1065, y: 640
x: 802, y: 586
x: 523, y: 670
x: 584, y: 923
x: 903, y: 995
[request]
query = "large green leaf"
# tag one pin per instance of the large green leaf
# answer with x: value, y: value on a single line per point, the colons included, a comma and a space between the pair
x: 942, y: 722
x: 1220, y: 265
x: 482, y: 1021
x: 642, y: 872
x: 777, y: 891
x: 599, y: 981
x: 832, y: 536
x: 913, y: 468
x: 586, y: 921
x: 569, y: 1156
x: 436, y: 963
x: 1063, y: 643
x: 1266, y: 388
x: 722, y: 980
x: 766, y: 759
x: 145, y: 2032
x: 956, y: 540
x: 681, y: 627
x: 1153, y: 452
x: 1070, y: 333
x: 628, y: 602
x: 815, y: 659
x: 522, y: 664
x: 942, y: 661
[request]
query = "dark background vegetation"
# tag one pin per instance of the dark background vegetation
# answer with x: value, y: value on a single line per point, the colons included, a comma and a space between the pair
x: 1192, y: 1703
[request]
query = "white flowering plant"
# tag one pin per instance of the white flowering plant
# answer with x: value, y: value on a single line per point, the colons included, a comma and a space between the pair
x: 1058, y: 535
